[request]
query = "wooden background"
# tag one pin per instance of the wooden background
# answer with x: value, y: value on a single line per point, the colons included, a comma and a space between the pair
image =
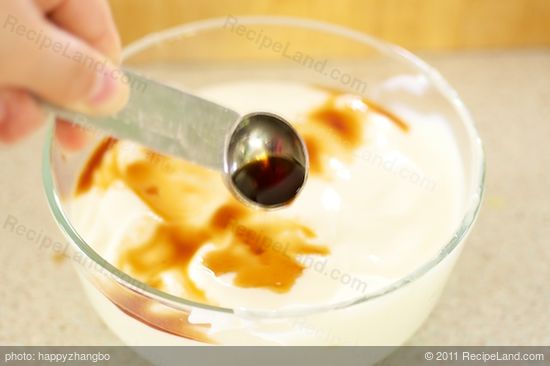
x: 414, y: 24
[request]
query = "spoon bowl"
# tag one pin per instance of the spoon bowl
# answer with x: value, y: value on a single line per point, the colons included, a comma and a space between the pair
x: 265, y: 161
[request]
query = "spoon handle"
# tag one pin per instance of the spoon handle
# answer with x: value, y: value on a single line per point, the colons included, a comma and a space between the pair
x: 167, y: 120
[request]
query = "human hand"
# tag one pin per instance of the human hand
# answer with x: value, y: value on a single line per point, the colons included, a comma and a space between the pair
x: 63, y: 51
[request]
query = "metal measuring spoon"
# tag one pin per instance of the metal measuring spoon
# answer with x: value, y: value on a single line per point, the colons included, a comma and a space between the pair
x: 263, y: 159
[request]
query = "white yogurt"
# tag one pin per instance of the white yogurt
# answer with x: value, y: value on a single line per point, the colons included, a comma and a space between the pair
x: 383, y: 214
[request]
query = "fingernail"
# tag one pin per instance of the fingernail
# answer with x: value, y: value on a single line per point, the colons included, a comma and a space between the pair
x: 109, y: 93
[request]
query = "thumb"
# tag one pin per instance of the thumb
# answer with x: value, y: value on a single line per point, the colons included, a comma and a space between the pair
x: 60, y: 68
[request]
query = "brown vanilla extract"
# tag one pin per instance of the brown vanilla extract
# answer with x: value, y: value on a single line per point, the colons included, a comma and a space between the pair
x: 271, y: 181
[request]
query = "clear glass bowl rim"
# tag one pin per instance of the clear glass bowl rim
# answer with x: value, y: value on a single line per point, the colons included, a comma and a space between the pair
x: 473, y: 202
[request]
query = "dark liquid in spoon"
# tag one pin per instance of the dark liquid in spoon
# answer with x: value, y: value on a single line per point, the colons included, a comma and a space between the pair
x: 272, y: 181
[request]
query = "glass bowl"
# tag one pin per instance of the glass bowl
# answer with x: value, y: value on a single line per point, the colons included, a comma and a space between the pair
x: 275, y: 48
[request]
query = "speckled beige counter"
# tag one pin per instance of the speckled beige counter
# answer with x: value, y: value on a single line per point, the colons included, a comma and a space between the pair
x: 499, y: 293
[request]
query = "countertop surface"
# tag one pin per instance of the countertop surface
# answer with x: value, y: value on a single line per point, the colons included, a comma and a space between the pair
x: 498, y: 294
